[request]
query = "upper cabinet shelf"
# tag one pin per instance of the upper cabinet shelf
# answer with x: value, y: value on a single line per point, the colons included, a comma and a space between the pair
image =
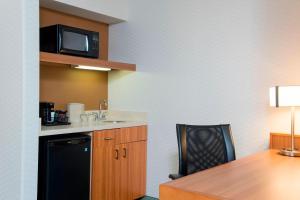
x: 74, y: 60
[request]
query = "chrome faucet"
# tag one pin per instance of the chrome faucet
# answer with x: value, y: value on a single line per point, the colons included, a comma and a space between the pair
x: 102, y: 107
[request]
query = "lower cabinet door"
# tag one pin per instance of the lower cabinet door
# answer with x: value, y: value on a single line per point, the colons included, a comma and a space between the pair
x: 119, y: 170
x: 121, y: 175
x: 130, y: 176
x: 104, y: 159
x: 137, y: 157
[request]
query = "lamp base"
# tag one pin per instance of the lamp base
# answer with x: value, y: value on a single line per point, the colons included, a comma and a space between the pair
x: 289, y: 152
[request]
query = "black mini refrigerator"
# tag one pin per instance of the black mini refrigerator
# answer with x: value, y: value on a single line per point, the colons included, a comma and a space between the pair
x: 64, y: 167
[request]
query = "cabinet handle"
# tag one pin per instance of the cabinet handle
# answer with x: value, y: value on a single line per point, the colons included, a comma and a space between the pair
x: 125, y: 152
x: 116, y: 154
x: 108, y: 138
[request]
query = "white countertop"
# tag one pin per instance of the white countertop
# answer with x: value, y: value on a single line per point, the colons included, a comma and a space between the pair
x: 87, y: 127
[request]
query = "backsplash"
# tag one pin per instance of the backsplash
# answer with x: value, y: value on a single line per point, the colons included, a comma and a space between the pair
x: 62, y: 84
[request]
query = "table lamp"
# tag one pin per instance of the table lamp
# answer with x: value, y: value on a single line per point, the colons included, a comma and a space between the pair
x: 287, y: 96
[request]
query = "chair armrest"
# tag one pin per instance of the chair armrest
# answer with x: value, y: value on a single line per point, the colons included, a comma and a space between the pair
x: 175, y: 176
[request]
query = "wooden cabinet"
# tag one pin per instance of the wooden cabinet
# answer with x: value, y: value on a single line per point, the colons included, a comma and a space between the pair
x: 103, y: 166
x: 131, y: 170
x: 283, y: 140
x: 137, y: 152
x: 122, y: 176
x: 119, y: 164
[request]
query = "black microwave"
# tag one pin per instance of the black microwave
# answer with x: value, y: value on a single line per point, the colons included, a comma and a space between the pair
x: 69, y: 40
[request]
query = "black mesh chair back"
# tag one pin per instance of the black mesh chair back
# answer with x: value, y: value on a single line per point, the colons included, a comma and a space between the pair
x: 203, y: 147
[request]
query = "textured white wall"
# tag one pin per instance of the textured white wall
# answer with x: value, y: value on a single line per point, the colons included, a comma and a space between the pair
x: 114, y: 8
x: 19, y: 22
x: 205, y: 62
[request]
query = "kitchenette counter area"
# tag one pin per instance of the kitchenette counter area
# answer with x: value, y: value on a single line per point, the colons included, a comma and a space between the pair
x: 94, y: 153
x: 80, y: 139
x: 89, y: 127
x: 114, y: 119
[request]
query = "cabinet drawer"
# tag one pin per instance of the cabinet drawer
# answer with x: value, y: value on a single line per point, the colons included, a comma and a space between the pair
x: 131, y: 134
x: 105, y: 137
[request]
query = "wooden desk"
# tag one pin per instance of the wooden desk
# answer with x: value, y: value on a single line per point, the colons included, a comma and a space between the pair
x: 263, y: 176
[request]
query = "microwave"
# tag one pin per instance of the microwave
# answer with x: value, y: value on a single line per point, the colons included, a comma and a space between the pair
x: 69, y: 40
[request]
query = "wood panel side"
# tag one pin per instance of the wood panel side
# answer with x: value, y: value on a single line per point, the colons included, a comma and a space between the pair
x: 283, y: 140
x: 46, y: 57
x: 132, y: 134
x: 121, y: 66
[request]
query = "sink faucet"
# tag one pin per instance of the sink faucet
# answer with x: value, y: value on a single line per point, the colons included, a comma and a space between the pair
x: 102, y: 107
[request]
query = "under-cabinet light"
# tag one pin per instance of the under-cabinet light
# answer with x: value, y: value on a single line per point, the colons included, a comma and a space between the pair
x: 91, y: 68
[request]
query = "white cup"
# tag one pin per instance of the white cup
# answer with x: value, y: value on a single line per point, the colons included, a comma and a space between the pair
x: 92, y: 117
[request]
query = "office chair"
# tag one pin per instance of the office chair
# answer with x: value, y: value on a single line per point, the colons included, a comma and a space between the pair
x: 203, y: 147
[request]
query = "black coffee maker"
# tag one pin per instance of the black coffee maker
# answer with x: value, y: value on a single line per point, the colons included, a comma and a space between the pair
x: 47, y: 112
x: 51, y: 117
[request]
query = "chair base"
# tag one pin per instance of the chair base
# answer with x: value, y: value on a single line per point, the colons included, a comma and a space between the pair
x: 290, y: 153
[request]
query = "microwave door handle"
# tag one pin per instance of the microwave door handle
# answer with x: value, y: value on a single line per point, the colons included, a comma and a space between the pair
x: 60, y: 46
x: 87, y: 44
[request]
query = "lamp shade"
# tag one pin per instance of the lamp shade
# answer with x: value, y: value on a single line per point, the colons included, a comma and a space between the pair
x: 281, y: 96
